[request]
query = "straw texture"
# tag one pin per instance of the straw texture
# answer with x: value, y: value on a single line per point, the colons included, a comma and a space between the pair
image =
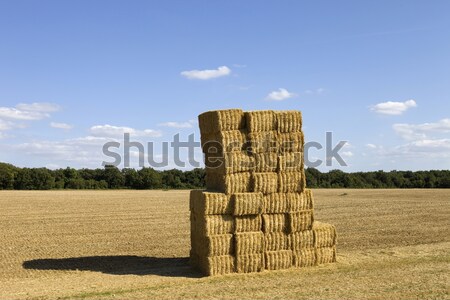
x: 209, y: 203
x: 249, y: 243
x: 275, y: 222
x: 229, y: 184
x: 259, y: 121
x: 276, y: 203
x: 277, y: 260
x: 249, y: 223
x: 289, y: 121
x: 265, y: 183
x: 250, y: 263
x: 247, y: 203
x: 221, y: 120
x: 302, y: 220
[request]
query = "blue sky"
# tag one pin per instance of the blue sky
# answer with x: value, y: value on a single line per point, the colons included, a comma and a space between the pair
x: 73, y: 74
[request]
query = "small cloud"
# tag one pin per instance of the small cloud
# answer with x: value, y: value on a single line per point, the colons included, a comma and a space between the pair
x: 314, y: 92
x: 371, y: 146
x: 38, y: 106
x: 347, y: 153
x: 421, y: 131
x: 207, y: 74
x: 28, y: 112
x: 393, y: 108
x: 176, y: 124
x: 61, y: 125
x: 280, y: 95
x: 118, y: 131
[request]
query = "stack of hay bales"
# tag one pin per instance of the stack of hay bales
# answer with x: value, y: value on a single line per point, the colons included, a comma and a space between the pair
x: 256, y: 213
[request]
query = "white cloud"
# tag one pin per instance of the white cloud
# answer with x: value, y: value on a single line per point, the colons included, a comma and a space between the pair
x: 188, y: 124
x: 207, y: 74
x: 371, y: 146
x: 421, y: 131
x: 28, y: 112
x: 393, y: 108
x: 38, y: 106
x: 347, y: 153
x: 118, y: 131
x: 61, y: 125
x: 280, y: 95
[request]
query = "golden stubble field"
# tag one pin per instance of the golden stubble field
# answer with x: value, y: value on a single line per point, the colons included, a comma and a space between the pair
x: 135, y: 244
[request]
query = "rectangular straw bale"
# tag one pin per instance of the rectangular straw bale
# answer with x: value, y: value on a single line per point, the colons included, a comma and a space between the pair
x: 290, y: 162
x: 221, y: 120
x: 247, y: 203
x: 228, y: 163
x: 248, y: 223
x: 224, y: 141
x: 274, y: 222
x: 324, y: 235
x: 266, y: 162
x: 326, y: 255
x: 214, y: 245
x: 302, y: 239
x: 278, y: 260
x: 305, y: 257
x: 250, y: 263
x: 289, y: 121
x: 302, y: 220
x: 249, y: 242
x: 274, y: 241
x: 262, y: 120
x: 290, y: 142
x: 217, y: 265
x: 265, y: 183
x: 210, y: 203
x: 300, y: 201
x: 276, y: 203
x: 230, y: 183
x: 291, y: 182
x: 262, y: 142
x: 207, y: 225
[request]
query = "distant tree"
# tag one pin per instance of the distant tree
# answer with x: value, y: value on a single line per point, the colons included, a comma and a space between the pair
x: 113, y: 177
x: 149, y: 179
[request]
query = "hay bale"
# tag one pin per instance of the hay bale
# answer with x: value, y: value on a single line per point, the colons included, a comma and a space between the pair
x: 262, y: 120
x: 247, y: 203
x: 224, y: 141
x: 230, y: 183
x: 207, y: 225
x: 193, y: 259
x: 276, y: 203
x: 249, y: 242
x: 209, y: 203
x: 265, y: 183
x: 274, y: 241
x: 291, y: 182
x: 289, y: 121
x: 324, y: 235
x: 214, y: 245
x: 217, y: 265
x: 300, y: 201
x: 305, y: 257
x: 326, y: 255
x: 266, y: 162
x: 262, y: 142
x: 221, y: 120
x: 299, y: 221
x: 290, y: 162
x: 228, y: 163
x: 278, y: 260
x: 249, y: 223
x: 275, y: 222
x: 302, y: 239
x: 250, y: 263
x: 290, y: 142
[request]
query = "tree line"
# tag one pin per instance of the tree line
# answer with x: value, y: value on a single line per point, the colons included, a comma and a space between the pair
x: 110, y: 177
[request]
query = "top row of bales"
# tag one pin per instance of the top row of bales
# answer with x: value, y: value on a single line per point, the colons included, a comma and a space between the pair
x: 252, y: 121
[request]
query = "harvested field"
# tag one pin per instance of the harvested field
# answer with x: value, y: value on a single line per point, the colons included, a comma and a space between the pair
x: 135, y: 244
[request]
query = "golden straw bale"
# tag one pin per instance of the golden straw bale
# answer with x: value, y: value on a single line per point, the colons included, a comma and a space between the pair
x: 290, y: 142
x: 247, y: 203
x: 248, y: 223
x: 305, y: 257
x: 206, y: 225
x: 262, y: 142
x: 221, y: 120
x: 250, y: 263
x: 299, y: 221
x: 262, y: 120
x: 265, y: 183
x: 301, y: 239
x: 290, y: 162
x: 278, y: 260
x: 214, y: 245
x: 228, y: 163
x: 289, y: 121
x: 274, y: 241
x: 210, y: 203
x: 300, y: 201
x: 230, y: 183
x: 276, y: 203
x: 324, y: 235
x: 217, y: 265
x: 275, y: 222
x: 249, y: 242
x: 291, y: 182
x: 224, y: 141
x: 266, y: 162
x: 326, y: 255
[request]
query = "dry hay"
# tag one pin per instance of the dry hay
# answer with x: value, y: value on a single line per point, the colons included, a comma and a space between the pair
x: 219, y: 164
x: 207, y: 225
x: 224, y: 141
x: 277, y: 260
x: 299, y: 201
x: 250, y: 263
x: 291, y: 182
x: 216, y: 265
x: 304, y: 257
x: 276, y: 203
x: 274, y: 241
x: 302, y: 220
x: 326, y: 255
x: 302, y: 239
x: 221, y: 120
x: 289, y: 121
x: 249, y: 223
x: 266, y: 162
x: 262, y: 142
x: 290, y: 142
x: 214, y: 245
x: 265, y: 183
x: 247, y: 203
x: 290, y: 162
x: 209, y: 203
x: 275, y: 222
x: 262, y: 120
x: 230, y: 183
x: 324, y: 234
x: 249, y: 243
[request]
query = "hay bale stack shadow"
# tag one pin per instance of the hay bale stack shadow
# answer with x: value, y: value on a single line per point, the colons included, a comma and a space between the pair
x: 117, y: 265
